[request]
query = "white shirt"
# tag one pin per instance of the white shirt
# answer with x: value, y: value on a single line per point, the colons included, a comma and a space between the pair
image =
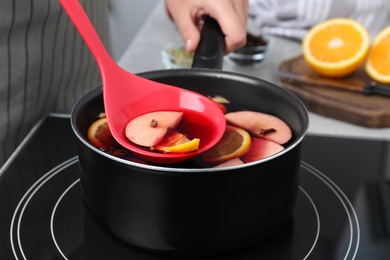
x: 293, y: 18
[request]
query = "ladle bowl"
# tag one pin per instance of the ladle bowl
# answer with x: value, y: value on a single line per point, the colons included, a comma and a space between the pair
x: 127, y: 96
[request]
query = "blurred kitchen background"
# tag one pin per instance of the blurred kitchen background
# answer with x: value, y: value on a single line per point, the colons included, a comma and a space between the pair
x: 126, y: 18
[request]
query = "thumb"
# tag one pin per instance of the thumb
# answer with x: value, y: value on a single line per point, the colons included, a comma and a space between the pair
x: 189, y: 31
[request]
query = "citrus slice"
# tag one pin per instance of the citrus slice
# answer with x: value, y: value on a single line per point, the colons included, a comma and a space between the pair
x: 176, y: 142
x: 235, y: 142
x: 99, y: 134
x: 378, y: 61
x: 336, y: 47
x: 220, y: 101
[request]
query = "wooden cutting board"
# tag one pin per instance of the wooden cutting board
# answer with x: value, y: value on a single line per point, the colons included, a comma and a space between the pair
x: 365, y: 110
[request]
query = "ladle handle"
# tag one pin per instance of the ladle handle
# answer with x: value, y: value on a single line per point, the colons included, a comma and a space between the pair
x: 210, y: 51
x: 80, y: 19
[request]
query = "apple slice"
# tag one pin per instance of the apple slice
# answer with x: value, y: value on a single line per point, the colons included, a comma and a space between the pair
x: 231, y: 162
x: 149, y: 129
x: 261, y: 148
x: 261, y: 125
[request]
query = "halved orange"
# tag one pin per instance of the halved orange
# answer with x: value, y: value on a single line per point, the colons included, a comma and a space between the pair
x: 336, y: 47
x: 235, y: 142
x: 99, y: 134
x: 378, y: 61
x: 176, y: 142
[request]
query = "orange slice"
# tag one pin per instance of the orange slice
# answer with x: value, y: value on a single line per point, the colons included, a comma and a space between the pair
x: 378, y: 61
x: 235, y: 142
x: 99, y: 134
x: 176, y: 142
x: 336, y: 47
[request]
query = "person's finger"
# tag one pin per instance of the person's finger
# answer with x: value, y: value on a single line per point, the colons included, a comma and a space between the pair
x: 242, y: 8
x: 186, y: 21
x: 189, y: 32
x: 232, y: 24
x: 230, y: 14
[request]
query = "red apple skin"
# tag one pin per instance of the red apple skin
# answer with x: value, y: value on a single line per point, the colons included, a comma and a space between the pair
x: 254, y: 122
x: 261, y: 148
x: 141, y: 132
x: 231, y: 162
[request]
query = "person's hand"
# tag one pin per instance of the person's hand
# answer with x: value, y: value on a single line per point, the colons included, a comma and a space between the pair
x: 231, y: 15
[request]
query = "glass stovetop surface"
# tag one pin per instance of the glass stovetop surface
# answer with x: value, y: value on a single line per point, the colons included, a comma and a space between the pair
x: 342, y: 211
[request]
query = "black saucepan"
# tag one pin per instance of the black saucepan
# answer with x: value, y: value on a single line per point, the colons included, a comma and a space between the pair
x: 184, y: 210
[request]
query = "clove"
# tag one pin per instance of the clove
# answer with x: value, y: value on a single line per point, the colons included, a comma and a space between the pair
x: 153, y: 123
x: 264, y: 132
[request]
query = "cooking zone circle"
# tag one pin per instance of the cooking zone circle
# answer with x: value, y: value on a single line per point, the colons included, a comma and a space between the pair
x: 68, y: 236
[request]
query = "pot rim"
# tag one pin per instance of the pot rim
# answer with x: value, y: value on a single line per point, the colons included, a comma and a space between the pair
x: 296, y: 142
x: 187, y: 170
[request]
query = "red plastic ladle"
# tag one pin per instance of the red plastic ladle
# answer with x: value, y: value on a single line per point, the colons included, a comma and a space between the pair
x: 127, y: 96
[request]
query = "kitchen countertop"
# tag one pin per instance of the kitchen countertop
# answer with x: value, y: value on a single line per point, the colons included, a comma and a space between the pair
x: 143, y: 54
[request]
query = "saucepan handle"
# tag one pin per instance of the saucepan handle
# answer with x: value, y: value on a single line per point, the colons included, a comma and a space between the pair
x: 210, y: 51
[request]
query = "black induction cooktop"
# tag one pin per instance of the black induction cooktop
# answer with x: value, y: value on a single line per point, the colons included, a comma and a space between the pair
x: 342, y: 211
